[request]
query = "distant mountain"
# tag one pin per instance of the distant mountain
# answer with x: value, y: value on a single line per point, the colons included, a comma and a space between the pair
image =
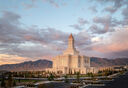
x: 98, y: 62
x: 42, y: 64
x: 29, y: 65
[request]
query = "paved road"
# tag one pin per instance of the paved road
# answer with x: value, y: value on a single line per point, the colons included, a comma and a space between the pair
x: 119, y: 82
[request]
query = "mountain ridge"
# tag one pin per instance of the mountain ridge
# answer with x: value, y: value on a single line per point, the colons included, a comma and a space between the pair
x: 102, y: 62
x: 42, y: 64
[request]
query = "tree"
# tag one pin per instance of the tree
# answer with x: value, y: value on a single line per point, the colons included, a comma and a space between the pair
x: 51, y: 77
x: 66, y: 79
x: 90, y: 75
x: 19, y: 80
x: 14, y: 83
x: 78, y: 76
x: 10, y: 80
x: 3, y: 84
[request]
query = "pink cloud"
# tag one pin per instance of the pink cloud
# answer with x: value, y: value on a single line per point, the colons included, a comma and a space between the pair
x: 11, y: 59
x: 117, y: 41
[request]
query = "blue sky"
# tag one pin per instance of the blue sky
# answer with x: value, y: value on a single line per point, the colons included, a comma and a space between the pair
x: 97, y: 25
x: 45, y: 14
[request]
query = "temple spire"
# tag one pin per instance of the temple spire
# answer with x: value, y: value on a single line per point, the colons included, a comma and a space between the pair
x: 71, y: 36
x: 71, y: 42
x: 71, y: 50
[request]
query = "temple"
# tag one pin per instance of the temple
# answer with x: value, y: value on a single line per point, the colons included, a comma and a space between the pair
x: 71, y: 61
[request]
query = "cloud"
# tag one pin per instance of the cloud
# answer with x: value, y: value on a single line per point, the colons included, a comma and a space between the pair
x: 9, y: 17
x: 96, y: 29
x: 125, y: 13
x: 116, y: 3
x: 33, y: 42
x: 76, y: 26
x: 10, y: 31
x: 80, y: 24
x: 28, y: 6
x: 13, y: 37
x: 96, y: 39
x: 93, y: 9
x: 52, y: 2
x: 39, y: 43
x: 119, y: 54
x: 11, y: 59
x: 113, y: 5
x: 82, y: 38
x: 115, y: 43
x: 32, y: 4
x: 82, y: 21
x: 125, y: 16
x: 104, y: 24
x: 110, y: 9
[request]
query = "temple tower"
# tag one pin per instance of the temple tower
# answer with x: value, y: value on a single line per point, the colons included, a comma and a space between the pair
x: 71, y: 42
x: 71, y: 50
x: 71, y: 61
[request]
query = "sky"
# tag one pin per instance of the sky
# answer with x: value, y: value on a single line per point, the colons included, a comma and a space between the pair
x: 39, y: 29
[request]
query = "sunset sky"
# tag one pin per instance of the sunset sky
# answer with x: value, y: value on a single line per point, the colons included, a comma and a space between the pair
x: 39, y: 29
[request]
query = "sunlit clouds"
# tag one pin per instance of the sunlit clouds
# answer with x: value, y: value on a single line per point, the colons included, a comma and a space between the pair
x: 39, y: 29
x: 11, y: 59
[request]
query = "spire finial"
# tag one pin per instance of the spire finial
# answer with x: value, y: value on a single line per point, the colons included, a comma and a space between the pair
x: 71, y: 36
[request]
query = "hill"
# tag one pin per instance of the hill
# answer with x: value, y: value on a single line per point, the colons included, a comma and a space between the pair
x: 42, y: 64
x: 29, y: 65
x: 98, y: 62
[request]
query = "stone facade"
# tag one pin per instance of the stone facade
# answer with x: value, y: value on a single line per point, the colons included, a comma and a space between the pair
x: 71, y: 61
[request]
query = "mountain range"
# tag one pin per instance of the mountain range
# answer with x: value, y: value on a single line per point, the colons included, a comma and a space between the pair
x: 42, y: 64
x: 102, y: 62
x: 28, y: 65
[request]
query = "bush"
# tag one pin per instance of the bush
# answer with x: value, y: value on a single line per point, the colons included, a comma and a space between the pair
x: 51, y: 77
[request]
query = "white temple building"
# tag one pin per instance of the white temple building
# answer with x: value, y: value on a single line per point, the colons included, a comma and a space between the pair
x: 71, y: 61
